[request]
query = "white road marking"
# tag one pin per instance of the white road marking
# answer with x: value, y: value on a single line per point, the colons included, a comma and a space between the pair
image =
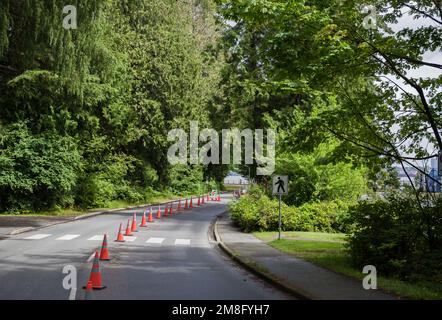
x: 129, y: 239
x: 97, y: 238
x: 155, y: 240
x: 184, y: 242
x: 200, y: 245
x: 38, y: 236
x: 68, y: 237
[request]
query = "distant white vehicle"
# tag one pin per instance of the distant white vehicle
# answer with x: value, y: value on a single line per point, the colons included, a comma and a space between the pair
x: 235, y: 179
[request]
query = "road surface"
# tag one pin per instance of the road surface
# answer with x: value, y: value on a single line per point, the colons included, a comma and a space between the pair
x: 174, y: 258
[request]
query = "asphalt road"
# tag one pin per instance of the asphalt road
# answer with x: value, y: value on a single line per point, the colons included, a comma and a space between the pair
x: 174, y: 258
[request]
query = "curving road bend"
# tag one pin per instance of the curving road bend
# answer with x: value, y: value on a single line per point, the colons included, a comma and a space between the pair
x: 174, y: 258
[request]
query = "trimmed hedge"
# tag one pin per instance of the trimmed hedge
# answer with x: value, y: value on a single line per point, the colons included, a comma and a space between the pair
x: 257, y: 212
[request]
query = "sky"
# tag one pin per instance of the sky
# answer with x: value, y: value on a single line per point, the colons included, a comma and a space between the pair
x: 407, y: 21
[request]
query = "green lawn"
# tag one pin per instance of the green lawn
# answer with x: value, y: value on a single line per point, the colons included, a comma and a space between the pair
x: 333, y: 256
x: 268, y: 236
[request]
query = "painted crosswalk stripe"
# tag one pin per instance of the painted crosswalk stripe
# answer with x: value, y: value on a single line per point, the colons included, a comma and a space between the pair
x: 183, y: 242
x: 97, y: 238
x: 38, y: 236
x: 68, y: 237
x: 155, y: 240
x: 129, y: 239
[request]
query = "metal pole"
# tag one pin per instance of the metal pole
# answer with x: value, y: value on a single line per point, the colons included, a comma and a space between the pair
x: 279, y: 228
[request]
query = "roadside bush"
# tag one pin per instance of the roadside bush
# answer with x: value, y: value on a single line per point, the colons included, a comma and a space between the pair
x: 106, y: 181
x: 36, y: 171
x: 397, y: 237
x: 185, y: 179
x: 94, y: 191
x: 326, y: 216
x: 256, y: 212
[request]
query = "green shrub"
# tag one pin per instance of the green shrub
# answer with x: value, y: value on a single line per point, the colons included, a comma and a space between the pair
x: 256, y: 212
x: 36, y: 171
x: 398, y: 237
x: 325, y: 216
x: 94, y: 191
x: 185, y: 179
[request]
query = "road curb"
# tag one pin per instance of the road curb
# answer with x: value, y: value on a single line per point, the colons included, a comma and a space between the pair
x: 83, y: 216
x: 266, y: 276
x: 20, y: 230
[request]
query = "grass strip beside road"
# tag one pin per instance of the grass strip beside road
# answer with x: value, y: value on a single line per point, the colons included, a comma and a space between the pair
x: 78, y: 212
x: 268, y: 236
x: 335, y: 257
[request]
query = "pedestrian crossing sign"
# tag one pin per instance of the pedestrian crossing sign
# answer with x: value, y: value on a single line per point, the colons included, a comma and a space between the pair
x: 281, y: 185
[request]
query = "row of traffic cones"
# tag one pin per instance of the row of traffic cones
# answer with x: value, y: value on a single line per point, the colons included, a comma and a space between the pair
x: 168, y: 212
x: 213, y: 197
x: 95, y: 279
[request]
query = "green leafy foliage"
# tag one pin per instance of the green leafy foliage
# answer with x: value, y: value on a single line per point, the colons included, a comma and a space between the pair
x: 256, y: 212
x: 36, y: 171
x: 319, y: 176
x: 90, y: 108
x: 186, y: 179
x: 395, y: 236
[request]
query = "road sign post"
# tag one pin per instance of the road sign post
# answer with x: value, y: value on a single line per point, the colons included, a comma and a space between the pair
x: 280, y: 187
x: 279, y: 223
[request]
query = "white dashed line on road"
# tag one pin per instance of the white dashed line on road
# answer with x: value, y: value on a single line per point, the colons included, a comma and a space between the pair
x: 182, y: 242
x: 68, y: 237
x: 152, y: 240
x: 38, y: 236
x: 155, y: 240
x: 97, y: 238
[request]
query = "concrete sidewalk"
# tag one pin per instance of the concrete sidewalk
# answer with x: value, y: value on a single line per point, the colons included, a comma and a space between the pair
x: 307, y: 280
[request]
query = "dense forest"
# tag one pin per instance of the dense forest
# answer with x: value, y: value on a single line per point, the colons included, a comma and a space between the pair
x: 352, y: 88
x: 85, y: 112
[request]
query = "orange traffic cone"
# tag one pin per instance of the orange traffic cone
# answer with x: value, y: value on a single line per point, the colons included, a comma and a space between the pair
x: 207, y: 199
x: 150, y: 219
x: 191, y: 202
x: 120, y: 237
x: 95, y: 277
x: 143, y: 220
x: 219, y: 197
x: 104, y: 253
x: 159, y: 212
x: 128, y: 230
x: 186, y: 205
x: 202, y: 199
x: 166, y: 211
x: 171, y: 208
x: 134, y: 223
x: 89, y: 292
x: 179, y: 206
x: 199, y: 201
